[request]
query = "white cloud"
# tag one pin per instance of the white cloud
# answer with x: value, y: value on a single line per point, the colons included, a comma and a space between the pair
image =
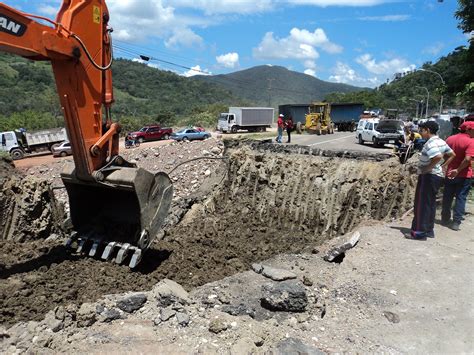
x: 300, y: 44
x: 384, y: 67
x: 386, y: 18
x: 343, y: 73
x: 135, y: 20
x: 225, y: 7
x: 196, y: 70
x: 325, y: 3
x: 310, y: 64
x: 434, y: 49
x: 311, y: 72
x: 229, y: 60
x: 184, y: 37
x: 48, y: 10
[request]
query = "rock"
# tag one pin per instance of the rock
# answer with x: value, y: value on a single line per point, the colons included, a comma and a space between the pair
x: 207, y: 172
x: 166, y: 314
x: 53, y: 237
x: 287, y: 296
x: 86, y: 316
x: 110, y: 314
x: 277, y: 274
x: 243, y: 346
x: 218, y: 325
x: 206, y: 153
x: 3, y: 333
x: 258, y: 268
x: 338, y: 253
x: 182, y: 318
x: 392, y: 317
x: 293, y: 346
x: 168, y: 292
x: 52, y: 323
x: 239, y: 310
x: 132, y: 303
x: 216, y: 150
x: 307, y: 281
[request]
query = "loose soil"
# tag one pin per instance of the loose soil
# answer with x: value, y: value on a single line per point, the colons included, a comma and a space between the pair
x: 259, y: 203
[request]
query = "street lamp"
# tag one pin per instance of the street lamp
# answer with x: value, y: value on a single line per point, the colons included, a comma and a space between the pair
x: 442, y: 80
x: 427, y: 99
x: 418, y: 102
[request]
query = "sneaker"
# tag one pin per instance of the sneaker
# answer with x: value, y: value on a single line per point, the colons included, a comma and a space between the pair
x: 455, y: 226
x: 415, y: 236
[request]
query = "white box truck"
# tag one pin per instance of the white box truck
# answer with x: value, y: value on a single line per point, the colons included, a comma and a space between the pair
x: 21, y: 143
x: 252, y: 119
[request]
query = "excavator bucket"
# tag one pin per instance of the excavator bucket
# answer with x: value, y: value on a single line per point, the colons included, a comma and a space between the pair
x: 117, y: 219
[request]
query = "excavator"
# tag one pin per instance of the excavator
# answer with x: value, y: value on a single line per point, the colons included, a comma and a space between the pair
x: 116, y: 208
x: 318, y: 119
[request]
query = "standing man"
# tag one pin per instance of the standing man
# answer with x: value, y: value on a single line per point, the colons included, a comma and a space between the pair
x: 458, y: 178
x: 280, y: 125
x: 430, y: 176
x: 289, y: 128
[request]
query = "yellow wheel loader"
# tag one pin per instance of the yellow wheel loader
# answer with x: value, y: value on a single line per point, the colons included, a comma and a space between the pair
x: 318, y: 119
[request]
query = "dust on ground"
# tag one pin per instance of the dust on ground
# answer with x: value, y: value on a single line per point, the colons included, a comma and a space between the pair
x: 227, y: 215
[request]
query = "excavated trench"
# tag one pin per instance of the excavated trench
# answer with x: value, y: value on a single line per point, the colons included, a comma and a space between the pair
x: 269, y: 200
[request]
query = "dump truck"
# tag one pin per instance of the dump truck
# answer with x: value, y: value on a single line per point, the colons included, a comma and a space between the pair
x: 252, y: 119
x: 21, y: 143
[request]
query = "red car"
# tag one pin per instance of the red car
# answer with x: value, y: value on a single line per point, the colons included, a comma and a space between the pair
x: 151, y: 133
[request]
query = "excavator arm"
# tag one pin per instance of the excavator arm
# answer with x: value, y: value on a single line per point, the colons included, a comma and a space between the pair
x: 79, y: 48
x: 114, y: 205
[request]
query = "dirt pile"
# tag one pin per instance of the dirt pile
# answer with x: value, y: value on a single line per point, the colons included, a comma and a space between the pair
x: 28, y: 209
x: 266, y: 203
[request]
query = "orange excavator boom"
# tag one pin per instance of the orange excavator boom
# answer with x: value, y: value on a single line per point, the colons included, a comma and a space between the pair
x: 114, y: 205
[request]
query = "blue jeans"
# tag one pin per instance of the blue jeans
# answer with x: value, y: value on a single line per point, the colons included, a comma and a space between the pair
x: 425, y: 205
x: 280, y: 134
x: 459, y: 188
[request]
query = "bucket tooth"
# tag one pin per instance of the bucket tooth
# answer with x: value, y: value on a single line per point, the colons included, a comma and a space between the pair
x: 94, y: 248
x: 71, y: 240
x: 108, y: 251
x: 136, y: 258
x: 122, y: 254
x: 81, y: 243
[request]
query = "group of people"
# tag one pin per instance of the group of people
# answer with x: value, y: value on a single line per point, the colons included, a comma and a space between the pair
x: 284, y: 124
x: 449, y: 162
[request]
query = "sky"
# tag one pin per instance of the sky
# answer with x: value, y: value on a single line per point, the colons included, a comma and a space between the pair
x: 358, y: 42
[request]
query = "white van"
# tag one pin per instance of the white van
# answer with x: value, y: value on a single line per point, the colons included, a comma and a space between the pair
x: 366, y: 130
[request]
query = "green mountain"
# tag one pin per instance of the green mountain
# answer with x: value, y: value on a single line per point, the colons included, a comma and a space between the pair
x: 143, y: 95
x: 274, y: 85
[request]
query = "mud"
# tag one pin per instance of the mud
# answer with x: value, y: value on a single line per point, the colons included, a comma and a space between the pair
x: 269, y: 202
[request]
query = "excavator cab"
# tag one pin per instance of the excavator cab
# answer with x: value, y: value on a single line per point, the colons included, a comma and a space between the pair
x: 318, y: 119
x: 116, y: 208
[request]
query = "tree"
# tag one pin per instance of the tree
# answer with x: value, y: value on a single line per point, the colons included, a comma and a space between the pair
x: 465, y: 15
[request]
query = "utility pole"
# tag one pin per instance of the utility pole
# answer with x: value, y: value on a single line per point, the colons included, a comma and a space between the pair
x: 270, y: 81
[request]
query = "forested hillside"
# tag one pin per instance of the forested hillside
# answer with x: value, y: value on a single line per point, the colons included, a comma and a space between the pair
x: 274, y: 85
x: 143, y: 94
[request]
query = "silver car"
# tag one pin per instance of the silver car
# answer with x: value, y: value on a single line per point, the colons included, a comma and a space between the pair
x: 62, y: 150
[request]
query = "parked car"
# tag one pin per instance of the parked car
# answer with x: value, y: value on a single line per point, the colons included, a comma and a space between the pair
x: 190, y: 134
x: 380, y: 132
x: 151, y: 133
x: 62, y: 150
